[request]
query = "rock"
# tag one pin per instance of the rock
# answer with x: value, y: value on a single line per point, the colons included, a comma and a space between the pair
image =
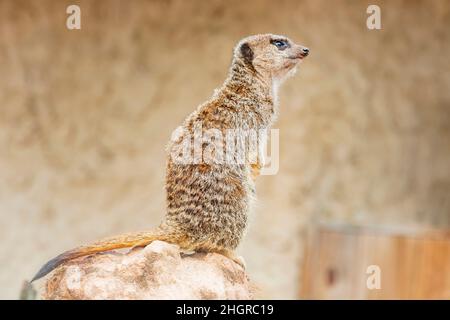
x: 158, y: 271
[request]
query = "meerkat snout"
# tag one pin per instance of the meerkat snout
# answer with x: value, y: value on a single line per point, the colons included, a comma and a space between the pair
x: 298, y: 52
x: 305, y: 52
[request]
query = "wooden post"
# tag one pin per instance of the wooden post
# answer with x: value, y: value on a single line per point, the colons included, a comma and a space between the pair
x: 414, y: 264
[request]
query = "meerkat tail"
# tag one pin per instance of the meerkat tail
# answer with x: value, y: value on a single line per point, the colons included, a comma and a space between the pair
x: 138, y: 239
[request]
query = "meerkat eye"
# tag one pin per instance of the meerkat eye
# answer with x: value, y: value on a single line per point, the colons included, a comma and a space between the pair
x: 280, y: 44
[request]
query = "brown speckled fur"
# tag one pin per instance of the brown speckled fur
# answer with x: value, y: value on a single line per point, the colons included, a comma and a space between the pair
x: 208, y: 203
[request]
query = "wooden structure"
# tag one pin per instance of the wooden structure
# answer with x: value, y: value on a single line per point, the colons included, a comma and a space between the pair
x: 413, y: 264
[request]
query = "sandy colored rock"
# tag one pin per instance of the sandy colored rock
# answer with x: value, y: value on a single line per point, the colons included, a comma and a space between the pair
x: 158, y: 271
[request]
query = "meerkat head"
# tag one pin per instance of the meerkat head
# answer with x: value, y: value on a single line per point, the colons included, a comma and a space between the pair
x: 271, y: 55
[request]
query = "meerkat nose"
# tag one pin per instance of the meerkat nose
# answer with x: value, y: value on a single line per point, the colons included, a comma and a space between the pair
x: 305, y: 51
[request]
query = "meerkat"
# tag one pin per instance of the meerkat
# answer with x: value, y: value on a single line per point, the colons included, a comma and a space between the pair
x: 209, y: 199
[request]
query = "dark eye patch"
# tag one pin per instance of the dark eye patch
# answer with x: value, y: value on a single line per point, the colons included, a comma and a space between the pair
x: 281, y: 44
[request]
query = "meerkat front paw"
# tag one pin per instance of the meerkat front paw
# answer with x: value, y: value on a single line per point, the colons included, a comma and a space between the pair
x: 255, y: 170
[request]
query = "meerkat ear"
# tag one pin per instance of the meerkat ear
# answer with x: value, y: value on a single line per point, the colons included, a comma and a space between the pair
x: 247, y: 53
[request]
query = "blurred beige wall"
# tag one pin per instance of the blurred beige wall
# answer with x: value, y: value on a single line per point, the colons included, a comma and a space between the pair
x: 85, y: 116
